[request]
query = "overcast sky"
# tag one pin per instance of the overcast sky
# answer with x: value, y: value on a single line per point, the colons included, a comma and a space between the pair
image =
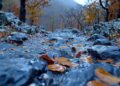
x: 82, y: 2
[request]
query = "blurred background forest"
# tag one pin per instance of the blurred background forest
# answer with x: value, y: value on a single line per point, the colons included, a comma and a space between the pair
x: 54, y: 14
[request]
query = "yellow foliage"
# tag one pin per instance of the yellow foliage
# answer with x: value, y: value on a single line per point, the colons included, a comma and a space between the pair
x: 91, y: 13
x: 34, y: 9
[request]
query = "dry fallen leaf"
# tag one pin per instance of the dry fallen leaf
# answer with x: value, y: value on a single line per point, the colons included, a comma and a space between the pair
x: 79, y: 54
x: 106, y: 77
x: 89, y: 59
x: 56, y: 68
x: 96, y: 83
x: 47, y: 58
x: 65, y: 62
x: 106, y: 61
x: 62, y: 59
x: 58, y: 64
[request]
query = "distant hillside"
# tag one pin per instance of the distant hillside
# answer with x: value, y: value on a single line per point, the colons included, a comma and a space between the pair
x: 56, y: 8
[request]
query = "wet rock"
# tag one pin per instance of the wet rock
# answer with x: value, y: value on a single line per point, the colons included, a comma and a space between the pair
x: 102, y: 42
x: 75, y: 31
x: 95, y: 37
x: 27, y: 29
x: 2, y: 18
x: 14, y: 77
x: 46, y: 80
x: 11, y: 19
x: 39, y: 68
x: 17, y: 37
x: 66, y: 53
x: 105, y: 52
x: 117, y: 71
x: 78, y: 77
x: 104, y: 28
x: 81, y: 75
x: 55, y: 39
x: 15, y: 72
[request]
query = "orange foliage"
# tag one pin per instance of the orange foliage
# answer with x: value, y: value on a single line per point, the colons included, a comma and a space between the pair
x: 114, y: 9
x: 106, y: 77
x: 93, y: 13
x: 90, y: 13
x: 96, y: 83
x: 15, y: 8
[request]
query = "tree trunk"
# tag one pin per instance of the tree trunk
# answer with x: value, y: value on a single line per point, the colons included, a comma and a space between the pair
x: 118, y: 14
x: 107, y: 15
x: 105, y: 8
x: 22, y: 10
x: 1, y: 4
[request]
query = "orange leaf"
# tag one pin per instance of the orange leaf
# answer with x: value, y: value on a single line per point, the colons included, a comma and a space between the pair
x: 56, y: 68
x: 65, y: 62
x: 106, y: 77
x: 106, y: 61
x: 47, y: 58
x: 89, y: 59
x: 96, y: 83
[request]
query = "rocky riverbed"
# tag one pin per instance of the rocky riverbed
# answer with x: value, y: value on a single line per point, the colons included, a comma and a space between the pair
x: 96, y: 56
x: 20, y: 65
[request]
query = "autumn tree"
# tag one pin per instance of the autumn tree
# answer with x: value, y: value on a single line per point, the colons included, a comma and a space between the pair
x: 73, y: 18
x: 22, y: 10
x: 34, y: 9
x: 93, y: 13
x: 114, y: 9
x: 105, y: 5
x: 78, y: 17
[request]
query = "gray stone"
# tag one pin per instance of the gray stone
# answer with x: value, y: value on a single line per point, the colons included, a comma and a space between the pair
x: 102, y: 42
x: 105, y: 52
x: 95, y: 37
x: 17, y: 37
